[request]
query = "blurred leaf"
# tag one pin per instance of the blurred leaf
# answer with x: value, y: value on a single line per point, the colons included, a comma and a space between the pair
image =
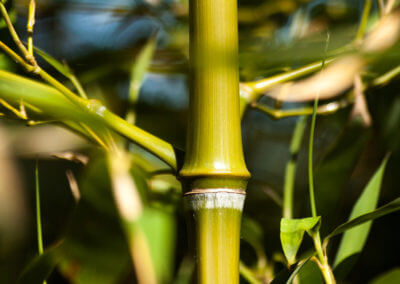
x: 185, y: 271
x: 62, y: 68
x: 252, y: 233
x: 292, y: 231
x: 389, y: 277
x: 310, y: 274
x: 283, y: 276
x: 13, y: 17
x: 343, y: 268
x: 381, y: 211
x: 35, y: 95
x: 41, y: 267
x: 138, y: 71
x: 96, y: 251
x: 159, y: 225
x: 354, y: 240
x: 140, y: 67
x: 333, y: 172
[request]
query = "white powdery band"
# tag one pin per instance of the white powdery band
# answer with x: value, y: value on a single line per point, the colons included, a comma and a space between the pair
x: 215, y: 198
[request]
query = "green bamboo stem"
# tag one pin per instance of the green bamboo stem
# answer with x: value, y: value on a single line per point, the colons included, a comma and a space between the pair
x: 214, y: 174
x: 214, y: 146
x: 290, y: 171
x: 14, y: 34
x: 29, y: 26
x: 38, y: 213
x: 215, y: 223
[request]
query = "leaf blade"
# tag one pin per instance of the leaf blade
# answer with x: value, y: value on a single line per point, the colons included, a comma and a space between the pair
x: 354, y: 239
x: 390, y: 207
x: 292, y: 232
x: 63, y: 69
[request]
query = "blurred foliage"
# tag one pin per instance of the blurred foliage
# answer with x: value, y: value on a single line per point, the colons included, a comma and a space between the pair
x: 132, y: 55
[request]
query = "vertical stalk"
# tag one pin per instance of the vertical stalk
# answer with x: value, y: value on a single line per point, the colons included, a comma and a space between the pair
x: 290, y: 170
x: 214, y: 174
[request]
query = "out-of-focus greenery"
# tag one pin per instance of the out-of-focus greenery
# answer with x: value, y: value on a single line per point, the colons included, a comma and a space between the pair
x: 132, y: 56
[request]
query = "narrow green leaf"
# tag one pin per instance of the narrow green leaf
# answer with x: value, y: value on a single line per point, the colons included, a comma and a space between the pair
x: 251, y: 232
x: 63, y: 69
x: 292, y: 231
x: 381, y: 211
x: 296, y: 271
x: 354, y: 240
x: 140, y: 67
x: 389, y: 277
x: 138, y: 71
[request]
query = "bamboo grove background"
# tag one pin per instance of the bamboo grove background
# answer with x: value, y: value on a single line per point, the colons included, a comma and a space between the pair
x: 132, y: 56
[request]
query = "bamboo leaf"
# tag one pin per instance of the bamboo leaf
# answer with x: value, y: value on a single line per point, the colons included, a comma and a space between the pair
x: 381, y: 211
x: 158, y: 226
x: 354, y: 240
x: 251, y: 232
x: 292, y: 231
x: 140, y: 67
x: 389, y: 277
x: 63, y: 69
x: 296, y: 271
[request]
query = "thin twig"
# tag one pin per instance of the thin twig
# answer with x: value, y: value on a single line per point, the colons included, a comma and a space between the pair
x: 15, y: 36
x: 30, y: 24
x: 16, y: 57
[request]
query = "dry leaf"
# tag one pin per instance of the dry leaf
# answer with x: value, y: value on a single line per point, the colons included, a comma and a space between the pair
x: 328, y: 83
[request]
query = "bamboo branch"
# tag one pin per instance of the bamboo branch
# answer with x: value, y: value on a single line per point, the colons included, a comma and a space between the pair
x: 29, y: 26
x: 14, y: 88
x: 15, y: 36
x: 252, y: 91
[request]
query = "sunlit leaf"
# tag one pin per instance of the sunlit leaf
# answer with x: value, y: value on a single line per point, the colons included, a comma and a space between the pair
x: 354, y: 240
x: 140, y: 67
x: 292, y: 231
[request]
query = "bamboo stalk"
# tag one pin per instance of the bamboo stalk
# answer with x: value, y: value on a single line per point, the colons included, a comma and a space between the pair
x: 214, y: 174
x: 216, y: 227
